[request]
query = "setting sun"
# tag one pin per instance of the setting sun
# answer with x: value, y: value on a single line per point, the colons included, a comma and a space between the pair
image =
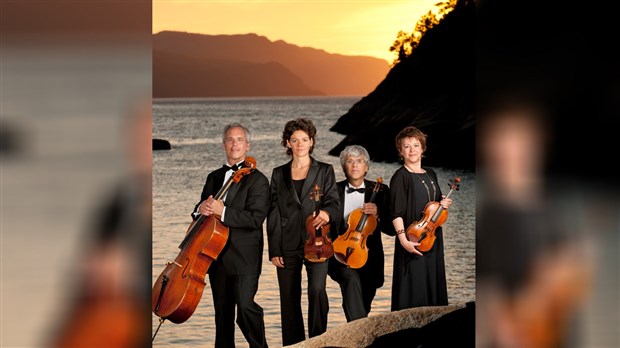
x: 347, y: 27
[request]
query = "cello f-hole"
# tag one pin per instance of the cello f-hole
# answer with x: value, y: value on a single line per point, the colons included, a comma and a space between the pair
x: 186, y: 268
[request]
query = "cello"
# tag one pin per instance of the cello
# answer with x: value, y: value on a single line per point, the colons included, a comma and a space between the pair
x: 318, y: 247
x: 350, y: 247
x: 433, y: 216
x: 178, y: 289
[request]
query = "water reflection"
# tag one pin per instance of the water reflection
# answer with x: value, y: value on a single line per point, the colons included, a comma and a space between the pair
x: 178, y: 176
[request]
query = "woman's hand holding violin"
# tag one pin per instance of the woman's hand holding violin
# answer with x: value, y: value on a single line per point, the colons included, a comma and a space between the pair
x: 320, y: 220
x: 445, y: 202
x: 409, y: 245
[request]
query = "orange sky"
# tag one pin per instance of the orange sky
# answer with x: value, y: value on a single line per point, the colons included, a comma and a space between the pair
x: 346, y: 27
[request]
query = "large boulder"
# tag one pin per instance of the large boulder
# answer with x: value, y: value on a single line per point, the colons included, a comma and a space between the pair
x: 437, y: 326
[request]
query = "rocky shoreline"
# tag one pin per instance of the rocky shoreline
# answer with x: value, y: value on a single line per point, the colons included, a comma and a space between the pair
x: 421, y: 326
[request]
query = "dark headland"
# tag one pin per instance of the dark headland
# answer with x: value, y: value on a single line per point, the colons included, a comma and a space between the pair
x: 432, y: 89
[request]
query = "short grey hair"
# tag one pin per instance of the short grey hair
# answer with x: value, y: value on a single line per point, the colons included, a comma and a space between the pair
x: 354, y: 151
x: 248, y: 135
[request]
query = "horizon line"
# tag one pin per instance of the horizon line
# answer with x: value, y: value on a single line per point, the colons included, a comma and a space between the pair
x: 273, y: 41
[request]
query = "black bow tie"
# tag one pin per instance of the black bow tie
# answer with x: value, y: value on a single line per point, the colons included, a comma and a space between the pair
x: 234, y: 168
x: 351, y: 189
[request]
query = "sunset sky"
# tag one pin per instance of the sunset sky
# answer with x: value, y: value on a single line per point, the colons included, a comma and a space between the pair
x: 345, y: 27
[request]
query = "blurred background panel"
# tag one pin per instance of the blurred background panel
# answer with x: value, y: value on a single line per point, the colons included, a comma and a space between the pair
x: 548, y: 91
x: 76, y: 80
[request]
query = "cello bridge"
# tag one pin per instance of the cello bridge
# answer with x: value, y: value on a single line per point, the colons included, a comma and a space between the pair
x: 170, y: 262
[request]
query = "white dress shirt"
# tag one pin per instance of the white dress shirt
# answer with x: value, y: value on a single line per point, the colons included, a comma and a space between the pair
x: 227, y: 176
x: 353, y: 200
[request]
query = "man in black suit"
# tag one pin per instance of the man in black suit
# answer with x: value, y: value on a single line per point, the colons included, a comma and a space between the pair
x: 359, y: 285
x: 234, y: 275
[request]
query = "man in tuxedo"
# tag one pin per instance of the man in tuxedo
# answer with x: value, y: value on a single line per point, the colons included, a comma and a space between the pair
x: 234, y: 275
x: 359, y: 286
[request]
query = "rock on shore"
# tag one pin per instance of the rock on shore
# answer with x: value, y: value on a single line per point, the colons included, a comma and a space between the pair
x: 161, y: 144
x: 426, y: 326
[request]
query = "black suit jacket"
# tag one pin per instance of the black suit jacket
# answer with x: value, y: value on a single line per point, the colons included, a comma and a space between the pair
x: 286, y: 222
x: 247, y: 205
x: 373, y: 270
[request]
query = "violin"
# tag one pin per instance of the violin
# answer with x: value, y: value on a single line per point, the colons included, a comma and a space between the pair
x: 179, y: 287
x: 433, y: 216
x: 318, y: 247
x: 350, y: 247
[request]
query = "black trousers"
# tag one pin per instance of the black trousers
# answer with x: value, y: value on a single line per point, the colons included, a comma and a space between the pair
x: 289, y: 281
x: 236, y: 290
x: 357, y: 294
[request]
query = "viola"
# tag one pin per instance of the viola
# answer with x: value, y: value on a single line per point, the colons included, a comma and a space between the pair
x: 433, y: 216
x: 350, y: 248
x: 178, y: 289
x: 318, y: 247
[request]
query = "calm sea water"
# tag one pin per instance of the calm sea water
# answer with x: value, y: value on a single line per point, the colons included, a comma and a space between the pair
x: 193, y: 127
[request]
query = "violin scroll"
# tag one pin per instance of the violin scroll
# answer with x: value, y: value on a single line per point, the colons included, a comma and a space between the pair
x: 455, y: 183
x: 316, y: 194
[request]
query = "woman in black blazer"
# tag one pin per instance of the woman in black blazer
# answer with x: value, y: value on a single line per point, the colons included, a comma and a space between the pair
x: 291, y: 205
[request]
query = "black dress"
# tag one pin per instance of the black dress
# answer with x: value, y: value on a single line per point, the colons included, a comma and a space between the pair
x: 417, y: 280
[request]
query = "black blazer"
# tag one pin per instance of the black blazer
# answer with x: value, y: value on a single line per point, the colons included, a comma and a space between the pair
x: 247, y: 205
x: 373, y: 270
x: 286, y: 222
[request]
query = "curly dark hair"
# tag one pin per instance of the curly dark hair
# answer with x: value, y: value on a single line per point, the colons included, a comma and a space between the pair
x: 302, y: 124
x: 411, y: 132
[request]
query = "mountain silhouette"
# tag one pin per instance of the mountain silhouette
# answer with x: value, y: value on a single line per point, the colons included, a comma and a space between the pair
x: 332, y: 74
x: 179, y: 76
x: 432, y: 89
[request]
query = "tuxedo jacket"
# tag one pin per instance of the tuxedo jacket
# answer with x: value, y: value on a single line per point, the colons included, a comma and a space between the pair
x: 373, y: 270
x: 247, y: 205
x: 286, y: 222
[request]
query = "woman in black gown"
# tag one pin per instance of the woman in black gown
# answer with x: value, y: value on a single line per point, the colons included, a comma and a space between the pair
x: 419, y: 279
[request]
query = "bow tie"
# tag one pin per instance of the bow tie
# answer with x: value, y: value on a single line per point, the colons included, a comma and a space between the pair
x: 351, y: 189
x: 234, y: 168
